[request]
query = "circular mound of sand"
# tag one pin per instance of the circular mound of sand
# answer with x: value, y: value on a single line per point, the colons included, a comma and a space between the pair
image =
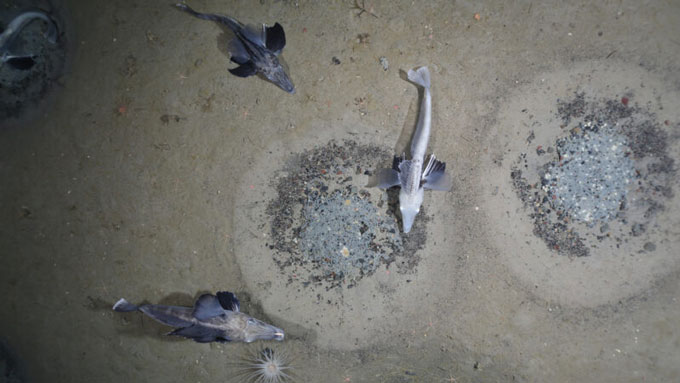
x: 308, y: 197
x: 595, y: 235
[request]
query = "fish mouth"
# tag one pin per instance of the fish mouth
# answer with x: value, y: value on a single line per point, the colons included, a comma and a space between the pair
x: 280, y: 78
x: 263, y: 331
x: 407, y: 217
x: 286, y: 85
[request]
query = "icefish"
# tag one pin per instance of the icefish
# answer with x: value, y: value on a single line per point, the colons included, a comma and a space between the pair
x: 212, y: 319
x: 255, y: 49
x: 9, y: 35
x: 411, y: 175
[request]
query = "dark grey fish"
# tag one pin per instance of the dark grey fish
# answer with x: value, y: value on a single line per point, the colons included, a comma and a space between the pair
x: 255, y: 49
x: 212, y: 319
x: 9, y: 35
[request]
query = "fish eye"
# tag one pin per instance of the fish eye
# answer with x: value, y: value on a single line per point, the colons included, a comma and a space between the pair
x: 251, y: 321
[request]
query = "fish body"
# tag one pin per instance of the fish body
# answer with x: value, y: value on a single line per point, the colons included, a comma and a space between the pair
x: 413, y: 176
x: 214, y: 318
x: 255, y: 49
x: 9, y: 35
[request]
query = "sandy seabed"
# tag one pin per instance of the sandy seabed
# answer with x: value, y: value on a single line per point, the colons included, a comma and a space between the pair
x: 148, y: 172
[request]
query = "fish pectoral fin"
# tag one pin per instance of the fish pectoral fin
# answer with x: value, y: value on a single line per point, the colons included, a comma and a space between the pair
x: 228, y: 301
x: 124, y: 306
x: 435, y: 176
x: 276, y: 38
x: 438, y: 181
x: 404, y: 171
x: 244, y: 70
x: 198, y: 333
x: 238, y: 52
x: 207, y: 306
x: 405, y: 166
x: 385, y: 179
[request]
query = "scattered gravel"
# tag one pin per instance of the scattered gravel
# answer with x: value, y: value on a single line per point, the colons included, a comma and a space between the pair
x: 591, y: 178
x: 340, y: 232
x: 605, y: 179
x: 327, y: 229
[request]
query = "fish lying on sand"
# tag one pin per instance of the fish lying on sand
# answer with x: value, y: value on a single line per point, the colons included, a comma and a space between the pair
x: 214, y: 318
x: 255, y: 49
x: 10, y: 34
x: 410, y: 174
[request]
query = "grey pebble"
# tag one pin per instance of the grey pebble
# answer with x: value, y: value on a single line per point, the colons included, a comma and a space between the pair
x: 638, y: 229
x: 385, y: 64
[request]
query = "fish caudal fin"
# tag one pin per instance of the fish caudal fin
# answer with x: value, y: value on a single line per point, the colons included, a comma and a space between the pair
x: 124, y: 306
x: 226, y: 20
x: 420, y: 76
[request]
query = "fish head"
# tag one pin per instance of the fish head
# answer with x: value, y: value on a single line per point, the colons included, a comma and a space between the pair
x: 276, y: 73
x: 409, y: 206
x: 256, y: 329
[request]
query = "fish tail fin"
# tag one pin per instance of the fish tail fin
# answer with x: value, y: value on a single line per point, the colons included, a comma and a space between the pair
x: 420, y: 76
x: 226, y: 20
x: 124, y: 306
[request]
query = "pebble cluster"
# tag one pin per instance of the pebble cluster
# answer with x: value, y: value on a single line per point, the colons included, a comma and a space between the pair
x: 340, y: 231
x: 590, y: 180
x: 327, y: 228
x: 603, y: 181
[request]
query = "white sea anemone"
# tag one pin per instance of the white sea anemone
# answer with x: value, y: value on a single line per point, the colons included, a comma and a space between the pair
x: 267, y: 366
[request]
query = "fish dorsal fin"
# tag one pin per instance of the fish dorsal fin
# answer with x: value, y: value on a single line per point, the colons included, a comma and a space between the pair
x: 207, y: 306
x: 276, y: 38
x: 255, y: 34
x: 228, y: 301
x: 396, y: 161
x: 405, y: 170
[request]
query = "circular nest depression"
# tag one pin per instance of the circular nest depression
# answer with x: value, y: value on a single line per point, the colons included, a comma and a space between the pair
x: 329, y: 229
x: 582, y: 190
x: 27, y: 79
x: 609, y: 171
x: 319, y: 250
